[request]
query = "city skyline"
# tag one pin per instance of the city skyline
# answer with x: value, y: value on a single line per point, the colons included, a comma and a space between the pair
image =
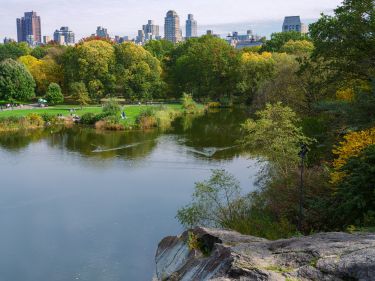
x: 124, y: 17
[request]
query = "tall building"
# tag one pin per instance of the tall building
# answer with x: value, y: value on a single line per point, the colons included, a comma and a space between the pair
x: 46, y: 39
x: 151, y: 30
x: 191, y: 27
x: 64, y: 36
x: 294, y: 24
x: 172, y: 30
x: 29, y: 25
x: 102, y: 32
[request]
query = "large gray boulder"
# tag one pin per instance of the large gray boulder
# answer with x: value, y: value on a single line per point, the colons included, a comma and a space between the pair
x: 221, y: 255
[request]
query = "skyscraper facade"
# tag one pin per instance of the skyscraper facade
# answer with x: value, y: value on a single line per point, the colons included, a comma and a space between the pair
x: 191, y: 27
x: 64, y: 36
x: 102, y: 32
x: 172, y: 29
x: 294, y: 24
x: 29, y: 26
x: 151, y: 30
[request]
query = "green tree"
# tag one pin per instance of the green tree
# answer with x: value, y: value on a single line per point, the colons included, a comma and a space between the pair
x: 16, y: 82
x: 54, y: 95
x: 137, y: 72
x: 39, y: 52
x: 91, y: 63
x: 285, y: 85
x: 345, y: 41
x: 278, y: 40
x: 355, y: 194
x: 214, y: 202
x: 205, y: 67
x: 276, y: 137
x: 159, y: 48
x: 13, y: 50
x: 79, y: 92
x: 112, y: 108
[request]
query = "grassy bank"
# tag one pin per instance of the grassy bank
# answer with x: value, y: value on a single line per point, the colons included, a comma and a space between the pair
x: 11, y: 120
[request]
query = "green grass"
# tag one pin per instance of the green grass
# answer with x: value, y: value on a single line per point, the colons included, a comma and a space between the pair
x: 132, y: 111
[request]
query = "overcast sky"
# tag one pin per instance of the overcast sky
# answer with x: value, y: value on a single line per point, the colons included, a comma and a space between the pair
x: 125, y: 17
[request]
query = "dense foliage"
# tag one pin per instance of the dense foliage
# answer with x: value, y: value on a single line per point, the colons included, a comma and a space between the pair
x: 54, y: 95
x: 16, y: 82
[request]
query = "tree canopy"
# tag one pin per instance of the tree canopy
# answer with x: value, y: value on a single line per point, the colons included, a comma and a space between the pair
x: 16, y: 82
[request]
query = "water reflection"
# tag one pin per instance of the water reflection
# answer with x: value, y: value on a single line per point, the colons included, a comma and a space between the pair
x: 213, y: 135
x: 79, y: 204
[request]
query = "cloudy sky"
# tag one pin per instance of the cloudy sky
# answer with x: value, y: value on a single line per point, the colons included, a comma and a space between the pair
x: 125, y: 17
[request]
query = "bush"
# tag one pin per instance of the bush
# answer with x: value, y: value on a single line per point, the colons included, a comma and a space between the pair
x: 35, y: 119
x: 112, y: 108
x: 146, y: 119
x: 88, y: 118
x: 188, y: 103
x: 54, y: 95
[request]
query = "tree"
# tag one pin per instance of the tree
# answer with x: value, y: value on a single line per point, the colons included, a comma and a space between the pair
x: 16, y: 82
x: 276, y: 137
x: 279, y: 39
x: 284, y: 85
x: 301, y: 48
x: 355, y: 194
x: 137, y: 72
x: 346, y: 40
x: 54, y: 95
x: 214, y: 202
x: 39, y: 52
x: 253, y: 70
x: 203, y: 66
x: 159, y: 48
x: 351, y: 146
x: 44, y: 71
x: 79, y: 91
x: 13, y: 50
x: 91, y: 63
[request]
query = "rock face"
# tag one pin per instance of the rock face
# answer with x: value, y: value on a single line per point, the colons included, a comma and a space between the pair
x: 212, y: 254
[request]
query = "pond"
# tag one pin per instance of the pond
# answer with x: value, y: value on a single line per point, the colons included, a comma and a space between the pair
x: 78, y: 204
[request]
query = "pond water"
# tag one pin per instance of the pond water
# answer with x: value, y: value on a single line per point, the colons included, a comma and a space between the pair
x: 78, y: 204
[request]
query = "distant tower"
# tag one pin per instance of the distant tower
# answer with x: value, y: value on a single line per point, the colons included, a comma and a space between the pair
x: 294, y: 24
x: 172, y: 30
x: 191, y: 27
x: 151, y: 30
x: 64, y: 36
x: 102, y: 32
x: 29, y: 26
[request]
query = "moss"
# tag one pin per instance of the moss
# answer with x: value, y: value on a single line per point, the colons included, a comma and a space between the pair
x: 278, y: 269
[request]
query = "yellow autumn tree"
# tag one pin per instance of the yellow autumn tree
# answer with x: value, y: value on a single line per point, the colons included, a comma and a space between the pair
x: 44, y: 71
x: 351, y: 146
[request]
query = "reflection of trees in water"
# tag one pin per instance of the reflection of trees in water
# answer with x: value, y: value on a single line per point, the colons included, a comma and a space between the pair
x: 214, y: 134
x: 16, y: 141
x: 106, y: 144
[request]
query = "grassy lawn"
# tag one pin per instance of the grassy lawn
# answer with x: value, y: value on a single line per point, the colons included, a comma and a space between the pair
x: 132, y: 111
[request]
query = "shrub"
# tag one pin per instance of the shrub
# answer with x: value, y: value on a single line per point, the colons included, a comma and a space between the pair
x: 35, y: 119
x: 112, y: 107
x: 188, y: 103
x: 89, y: 118
x: 54, y: 95
x: 146, y: 119
x: 165, y: 117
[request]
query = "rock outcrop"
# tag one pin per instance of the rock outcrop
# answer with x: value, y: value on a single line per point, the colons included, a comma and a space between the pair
x: 221, y: 255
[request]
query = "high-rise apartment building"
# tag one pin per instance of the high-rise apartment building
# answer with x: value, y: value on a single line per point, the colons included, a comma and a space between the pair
x: 46, y: 39
x: 172, y: 29
x: 29, y: 26
x: 151, y: 30
x: 294, y: 24
x: 64, y: 36
x: 102, y: 32
x: 191, y: 27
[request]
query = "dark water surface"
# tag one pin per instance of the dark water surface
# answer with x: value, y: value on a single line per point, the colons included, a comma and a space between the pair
x: 84, y: 205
